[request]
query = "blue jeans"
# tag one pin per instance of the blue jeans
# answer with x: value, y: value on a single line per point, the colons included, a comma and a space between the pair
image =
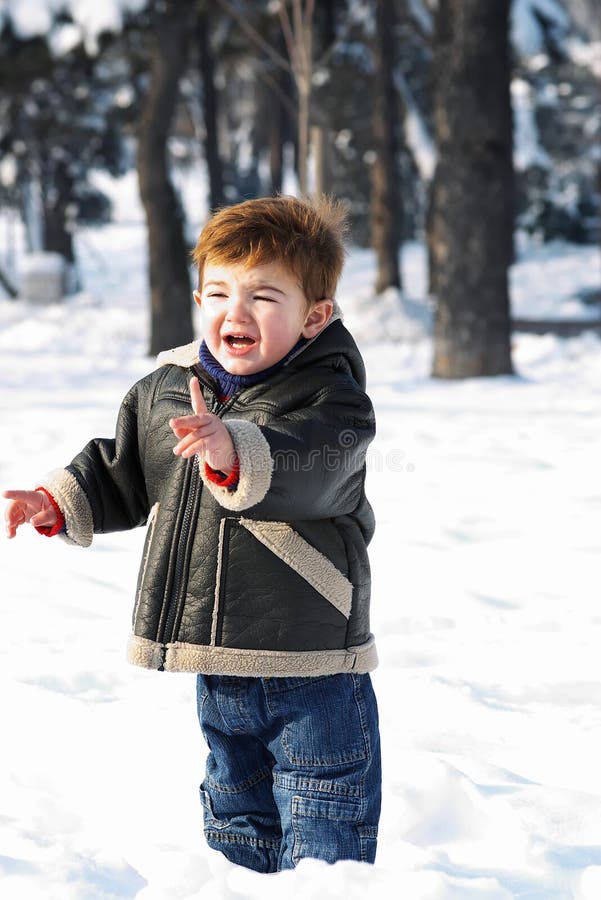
x: 293, y: 769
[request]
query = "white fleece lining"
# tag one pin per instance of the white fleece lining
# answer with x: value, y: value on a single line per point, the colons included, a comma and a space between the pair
x: 184, y: 356
x: 183, y: 657
x: 74, y: 505
x: 309, y: 563
x: 217, y: 582
x: 256, y: 465
x: 145, y: 653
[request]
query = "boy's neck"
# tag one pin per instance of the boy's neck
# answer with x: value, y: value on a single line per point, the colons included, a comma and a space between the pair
x: 228, y: 382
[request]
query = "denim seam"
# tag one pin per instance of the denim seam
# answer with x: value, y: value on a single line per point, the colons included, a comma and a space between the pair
x: 272, y: 688
x: 366, y: 834
x: 251, y: 781
x: 323, y: 762
x: 300, y: 800
x: 318, y: 785
x: 218, y: 836
x: 360, y: 701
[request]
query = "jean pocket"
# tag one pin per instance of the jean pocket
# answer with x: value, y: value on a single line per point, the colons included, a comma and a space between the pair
x: 368, y: 841
x: 325, y: 829
x: 210, y: 819
x: 326, y: 722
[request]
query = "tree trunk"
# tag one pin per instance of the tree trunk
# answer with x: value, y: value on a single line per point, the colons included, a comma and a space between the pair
x: 59, y: 221
x: 279, y: 121
x: 304, y: 94
x: 58, y: 237
x: 386, y: 206
x: 209, y: 104
x: 170, y: 301
x: 471, y: 217
x: 276, y: 151
x: 32, y: 211
x: 299, y: 41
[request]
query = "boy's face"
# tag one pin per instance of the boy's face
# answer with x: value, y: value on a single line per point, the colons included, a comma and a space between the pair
x: 253, y: 316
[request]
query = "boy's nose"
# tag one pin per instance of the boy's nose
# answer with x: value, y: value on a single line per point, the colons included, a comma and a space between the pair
x: 237, y: 308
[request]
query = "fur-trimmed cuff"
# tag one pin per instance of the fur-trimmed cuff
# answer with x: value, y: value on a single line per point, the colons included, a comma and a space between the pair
x: 74, y: 506
x: 256, y: 465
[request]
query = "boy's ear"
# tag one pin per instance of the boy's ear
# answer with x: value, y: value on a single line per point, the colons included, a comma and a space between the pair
x: 197, y: 297
x: 317, y: 317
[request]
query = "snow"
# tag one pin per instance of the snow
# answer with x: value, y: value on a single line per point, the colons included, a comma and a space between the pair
x: 35, y: 17
x: 485, y: 609
x: 554, y: 296
x: 527, y: 35
x: 527, y: 148
x: 30, y: 18
x: 585, y: 54
x: 417, y: 137
x: 8, y: 171
x: 64, y: 38
x: 422, y: 15
x: 43, y: 264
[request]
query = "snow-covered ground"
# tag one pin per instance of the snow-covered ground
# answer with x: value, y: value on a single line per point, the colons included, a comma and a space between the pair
x: 485, y: 607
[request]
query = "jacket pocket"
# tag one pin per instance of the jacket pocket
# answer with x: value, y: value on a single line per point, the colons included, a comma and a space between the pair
x: 276, y: 591
x: 146, y: 553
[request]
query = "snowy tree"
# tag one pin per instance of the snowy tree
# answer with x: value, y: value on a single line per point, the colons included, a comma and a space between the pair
x: 557, y: 116
x: 171, y: 311
x: 210, y: 102
x: 63, y: 114
x: 67, y: 89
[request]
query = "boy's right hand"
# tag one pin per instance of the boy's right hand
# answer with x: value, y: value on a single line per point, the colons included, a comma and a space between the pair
x: 28, y: 506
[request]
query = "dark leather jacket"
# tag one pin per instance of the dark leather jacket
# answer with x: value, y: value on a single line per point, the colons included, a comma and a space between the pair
x: 271, y: 578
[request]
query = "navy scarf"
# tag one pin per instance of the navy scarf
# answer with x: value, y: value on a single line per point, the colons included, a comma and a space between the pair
x: 230, y: 384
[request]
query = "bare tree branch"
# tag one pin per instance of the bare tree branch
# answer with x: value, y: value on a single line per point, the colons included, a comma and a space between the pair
x: 289, y: 37
x: 254, y: 35
x: 285, y: 100
x: 324, y: 58
x: 309, y: 10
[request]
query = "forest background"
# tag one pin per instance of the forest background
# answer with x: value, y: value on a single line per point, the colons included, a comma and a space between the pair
x: 455, y: 122
x: 464, y: 137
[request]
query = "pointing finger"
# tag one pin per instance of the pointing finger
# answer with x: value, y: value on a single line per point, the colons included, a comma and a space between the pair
x: 198, y: 401
x: 18, y: 495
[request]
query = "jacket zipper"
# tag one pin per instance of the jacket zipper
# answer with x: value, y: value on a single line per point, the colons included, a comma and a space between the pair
x: 191, y: 501
x: 182, y: 552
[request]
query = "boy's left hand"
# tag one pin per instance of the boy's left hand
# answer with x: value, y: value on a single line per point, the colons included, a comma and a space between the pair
x: 203, y: 434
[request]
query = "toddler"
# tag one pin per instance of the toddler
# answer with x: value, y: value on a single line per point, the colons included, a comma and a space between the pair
x: 245, y: 455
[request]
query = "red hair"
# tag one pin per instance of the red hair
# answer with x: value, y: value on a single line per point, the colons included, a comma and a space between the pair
x: 304, y: 235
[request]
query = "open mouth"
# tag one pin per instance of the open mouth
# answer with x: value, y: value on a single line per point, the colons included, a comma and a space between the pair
x: 239, y: 341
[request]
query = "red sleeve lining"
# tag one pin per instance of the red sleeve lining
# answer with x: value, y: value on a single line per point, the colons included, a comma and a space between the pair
x: 220, y: 478
x: 51, y: 530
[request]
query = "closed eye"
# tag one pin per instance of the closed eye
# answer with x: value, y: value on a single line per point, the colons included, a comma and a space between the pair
x: 269, y: 299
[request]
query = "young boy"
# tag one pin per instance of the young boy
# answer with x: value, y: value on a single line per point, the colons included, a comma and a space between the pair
x: 254, y: 572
